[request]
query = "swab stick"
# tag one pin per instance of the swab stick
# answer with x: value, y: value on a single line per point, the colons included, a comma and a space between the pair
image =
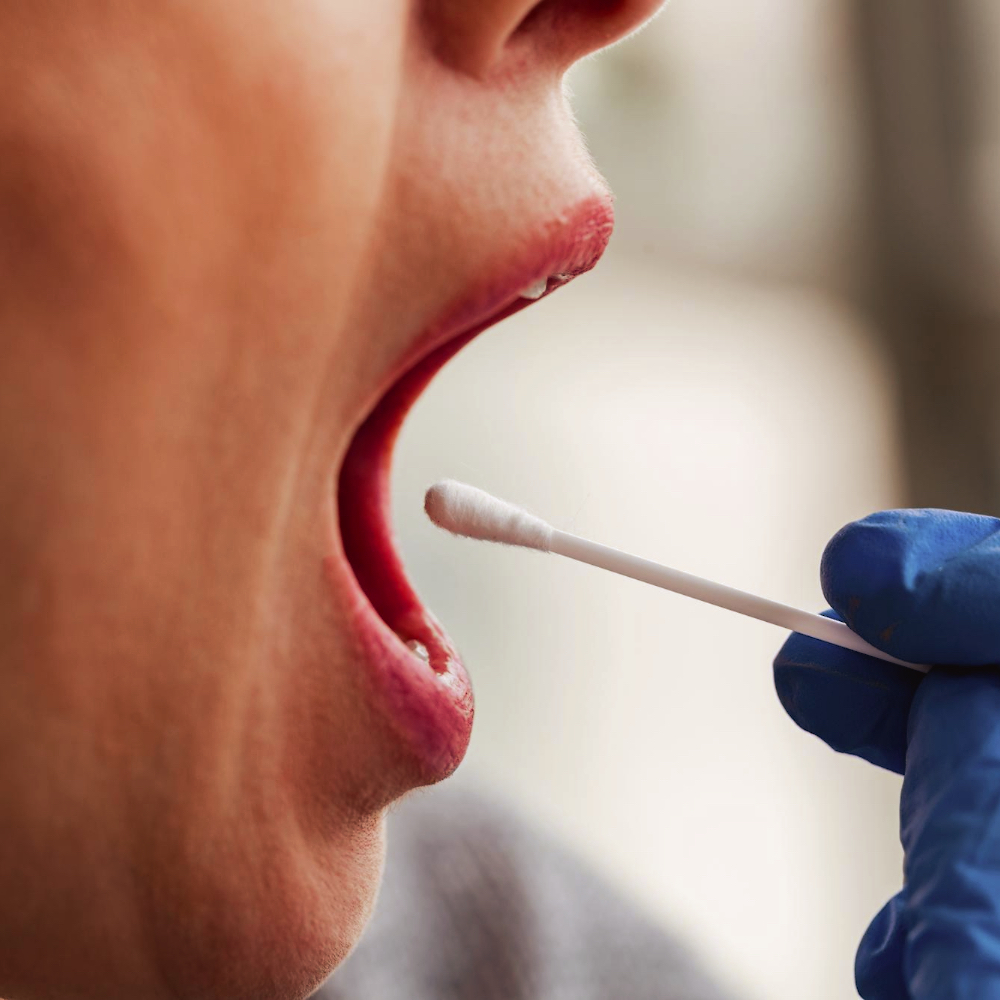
x: 471, y: 512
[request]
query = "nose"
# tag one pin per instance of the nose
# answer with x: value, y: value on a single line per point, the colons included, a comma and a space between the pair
x: 485, y: 37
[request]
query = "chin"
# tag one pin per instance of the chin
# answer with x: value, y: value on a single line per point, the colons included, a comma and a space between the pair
x: 277, y: 932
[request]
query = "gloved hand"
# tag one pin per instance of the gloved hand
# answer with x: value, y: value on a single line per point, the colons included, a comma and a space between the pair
x: 923, y: 585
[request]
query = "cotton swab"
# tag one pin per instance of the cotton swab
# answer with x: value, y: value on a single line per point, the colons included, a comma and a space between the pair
x: 471, y: 512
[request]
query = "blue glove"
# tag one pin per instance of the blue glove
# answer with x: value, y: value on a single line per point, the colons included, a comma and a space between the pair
x: 923, y: 585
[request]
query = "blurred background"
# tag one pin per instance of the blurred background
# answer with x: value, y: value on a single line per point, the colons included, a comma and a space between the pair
x: 794, y: 326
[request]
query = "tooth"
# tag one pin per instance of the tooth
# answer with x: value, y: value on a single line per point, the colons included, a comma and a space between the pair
x: 535, y: 290
x: 419, y: 650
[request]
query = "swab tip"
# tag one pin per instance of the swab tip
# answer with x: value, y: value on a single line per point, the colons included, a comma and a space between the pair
x: 473, y: 513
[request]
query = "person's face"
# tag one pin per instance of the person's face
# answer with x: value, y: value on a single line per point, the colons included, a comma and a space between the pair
x: 227, y: 232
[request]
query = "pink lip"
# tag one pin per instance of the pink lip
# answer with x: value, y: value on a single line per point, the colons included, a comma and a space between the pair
x: 430, y: 706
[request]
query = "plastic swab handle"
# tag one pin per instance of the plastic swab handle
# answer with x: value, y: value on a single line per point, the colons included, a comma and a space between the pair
x: 783, y: 615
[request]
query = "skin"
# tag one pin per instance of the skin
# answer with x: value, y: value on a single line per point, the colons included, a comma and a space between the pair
x: 221, y: 226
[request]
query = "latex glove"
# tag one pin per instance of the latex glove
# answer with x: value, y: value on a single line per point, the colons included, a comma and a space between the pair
x: 923, y: 585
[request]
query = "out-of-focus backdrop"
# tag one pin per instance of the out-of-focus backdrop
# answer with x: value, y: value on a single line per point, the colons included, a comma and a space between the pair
x: 795, y: 325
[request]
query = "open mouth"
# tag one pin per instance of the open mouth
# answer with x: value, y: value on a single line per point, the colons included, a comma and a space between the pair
x: 415, y: 673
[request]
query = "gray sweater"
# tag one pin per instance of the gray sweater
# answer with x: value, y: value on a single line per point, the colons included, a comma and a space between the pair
x: 478, y: 906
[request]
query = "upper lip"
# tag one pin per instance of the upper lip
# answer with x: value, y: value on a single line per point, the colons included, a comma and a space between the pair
x: 562, y: 249
x: 429, y: 709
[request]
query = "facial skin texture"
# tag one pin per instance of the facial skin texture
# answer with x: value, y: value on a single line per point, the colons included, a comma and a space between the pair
x: 221, y: 225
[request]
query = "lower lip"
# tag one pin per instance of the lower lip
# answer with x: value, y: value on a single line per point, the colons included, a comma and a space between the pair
x: 427, y: 703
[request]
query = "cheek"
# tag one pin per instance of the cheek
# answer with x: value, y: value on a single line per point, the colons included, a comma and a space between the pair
x: 249, y: 155
x: 250, y: 144
x: 334, y: 76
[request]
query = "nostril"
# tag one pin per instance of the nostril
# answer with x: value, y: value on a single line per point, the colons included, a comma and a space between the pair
x: 482, y: 37
x: 571, y: 29
x: 559, y: 13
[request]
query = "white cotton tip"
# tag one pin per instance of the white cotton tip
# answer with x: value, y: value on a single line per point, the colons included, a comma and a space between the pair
x: 465, y: 510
